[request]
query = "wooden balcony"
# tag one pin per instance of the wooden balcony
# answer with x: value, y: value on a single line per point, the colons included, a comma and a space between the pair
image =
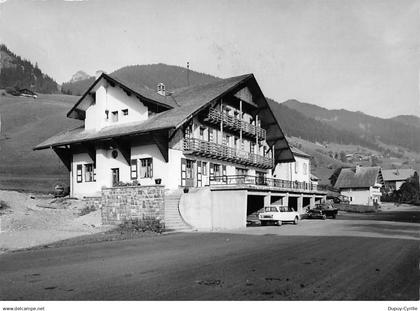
x: 232, y: 123
x: 244, y: 180
x: 212, y: 150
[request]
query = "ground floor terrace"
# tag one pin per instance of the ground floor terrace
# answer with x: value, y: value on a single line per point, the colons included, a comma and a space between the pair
x: 227, y: 206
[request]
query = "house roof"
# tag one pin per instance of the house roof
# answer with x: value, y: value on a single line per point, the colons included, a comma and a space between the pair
x: 299, y: 152
x: 182, y: 105
x: 398, y: 174
x: 145, y: 95
x: 360, y: 177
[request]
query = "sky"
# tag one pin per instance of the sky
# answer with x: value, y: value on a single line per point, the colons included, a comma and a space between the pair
x: 338, y: 54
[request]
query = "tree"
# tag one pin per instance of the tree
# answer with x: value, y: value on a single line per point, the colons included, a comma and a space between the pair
x: 409, y: 191
x: 343, y: 157
x: 333, y: 178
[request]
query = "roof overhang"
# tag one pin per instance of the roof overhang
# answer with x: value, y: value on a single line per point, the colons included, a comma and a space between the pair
x: 99, y: 138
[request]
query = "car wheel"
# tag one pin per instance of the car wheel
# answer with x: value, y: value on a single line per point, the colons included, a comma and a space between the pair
x: 334, y: 216
x: 279, y: 223
x: 296, y: 220
x: 263, y: 223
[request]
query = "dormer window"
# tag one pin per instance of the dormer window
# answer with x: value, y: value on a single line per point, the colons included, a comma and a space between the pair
x: 125, y: 112
x: 115, y: 116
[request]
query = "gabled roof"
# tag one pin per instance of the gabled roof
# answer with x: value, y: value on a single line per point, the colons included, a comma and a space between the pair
x: 398, y: 174
x: 182, y: 105
x: 299, y: 152
x: 360, y: 177
x: 145, y: 95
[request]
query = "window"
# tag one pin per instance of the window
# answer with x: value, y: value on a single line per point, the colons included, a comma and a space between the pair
x: 114, y: 116
x: 201, y: 133
x: 226, y: 139
x: 241, y: 171
x: 133, y: 169
x: 252, y: 147
x: 204, y: 169
x: 89, y: 173
x: 189, y: 170
x: 236, y: 143
x: 79, y: 173
x: 210, y: 131
x: 217, y: 171
x: 305, y: 169
x: 146, y: 168
x: 296, y: 168
x: 125, y: 112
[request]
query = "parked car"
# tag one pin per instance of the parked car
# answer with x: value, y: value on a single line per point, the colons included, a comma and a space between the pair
x: 277, y: 215
x: 322, y: 211
x: 341, y: 199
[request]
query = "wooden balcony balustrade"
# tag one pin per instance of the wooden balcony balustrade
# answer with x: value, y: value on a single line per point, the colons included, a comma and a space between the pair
x: 221, y: 152
x: 235, y: 124
x: 263, y: 181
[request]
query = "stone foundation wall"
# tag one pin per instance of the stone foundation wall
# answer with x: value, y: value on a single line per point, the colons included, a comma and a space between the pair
x: 132, y: 202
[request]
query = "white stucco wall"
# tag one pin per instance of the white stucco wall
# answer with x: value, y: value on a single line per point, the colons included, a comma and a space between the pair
x: 113, y: 99
x: 286, y: 171
x: 362, y: 196
x: 83, y: 188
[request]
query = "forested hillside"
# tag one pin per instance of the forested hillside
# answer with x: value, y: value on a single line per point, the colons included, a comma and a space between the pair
x: 398, y: 132
x: 19, y: 73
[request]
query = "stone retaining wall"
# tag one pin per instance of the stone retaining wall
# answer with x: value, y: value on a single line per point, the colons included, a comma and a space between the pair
x: 93, y: 203
x: 132, y: 202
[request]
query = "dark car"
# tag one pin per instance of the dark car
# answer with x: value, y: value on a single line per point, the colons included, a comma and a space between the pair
x: 322, y: 211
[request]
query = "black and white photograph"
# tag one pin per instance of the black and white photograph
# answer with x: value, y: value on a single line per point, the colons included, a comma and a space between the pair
x: 226, y: 151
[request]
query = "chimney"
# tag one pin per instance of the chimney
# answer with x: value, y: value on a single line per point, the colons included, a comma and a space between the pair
x: 161, y: 89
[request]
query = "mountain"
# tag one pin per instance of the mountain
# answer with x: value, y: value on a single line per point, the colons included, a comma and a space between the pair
x: 318, y: 131
x: 147, y: 76
x: 78, y: 76
x: 372, y: 129
x: 19, y: 73
x: 408, y: 120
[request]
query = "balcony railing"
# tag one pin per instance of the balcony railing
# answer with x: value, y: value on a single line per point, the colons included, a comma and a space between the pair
x: 263, y: 181
x: 235, y: 124
x: 221, y: 152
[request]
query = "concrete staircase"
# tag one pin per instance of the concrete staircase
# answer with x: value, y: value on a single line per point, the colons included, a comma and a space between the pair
x: 173, y: 219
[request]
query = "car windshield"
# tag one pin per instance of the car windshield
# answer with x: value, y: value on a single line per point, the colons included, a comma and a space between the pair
x: 271, y: 209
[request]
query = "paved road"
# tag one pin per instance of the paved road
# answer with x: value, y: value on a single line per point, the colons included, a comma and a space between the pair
x: 355, y: 259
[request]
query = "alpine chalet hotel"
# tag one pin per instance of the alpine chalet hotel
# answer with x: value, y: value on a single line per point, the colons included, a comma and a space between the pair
x: 211, y: 147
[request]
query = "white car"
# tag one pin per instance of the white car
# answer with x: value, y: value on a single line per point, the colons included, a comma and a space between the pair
x: 275, y: 214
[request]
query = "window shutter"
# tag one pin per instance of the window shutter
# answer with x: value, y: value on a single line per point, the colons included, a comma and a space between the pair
x: 133, y: 168
x: 151, y: 167
x: 79, y: 173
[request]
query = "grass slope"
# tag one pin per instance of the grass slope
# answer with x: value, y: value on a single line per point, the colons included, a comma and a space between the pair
x: 25, y: 123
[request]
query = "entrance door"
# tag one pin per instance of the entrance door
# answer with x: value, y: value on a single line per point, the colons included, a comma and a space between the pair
x: 187, y: 173
x: 115, y: 176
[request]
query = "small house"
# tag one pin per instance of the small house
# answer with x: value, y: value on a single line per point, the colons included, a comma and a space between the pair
x: 361, y: 184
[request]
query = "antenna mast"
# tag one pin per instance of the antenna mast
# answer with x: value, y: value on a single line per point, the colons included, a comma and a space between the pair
x: 188, y: 73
